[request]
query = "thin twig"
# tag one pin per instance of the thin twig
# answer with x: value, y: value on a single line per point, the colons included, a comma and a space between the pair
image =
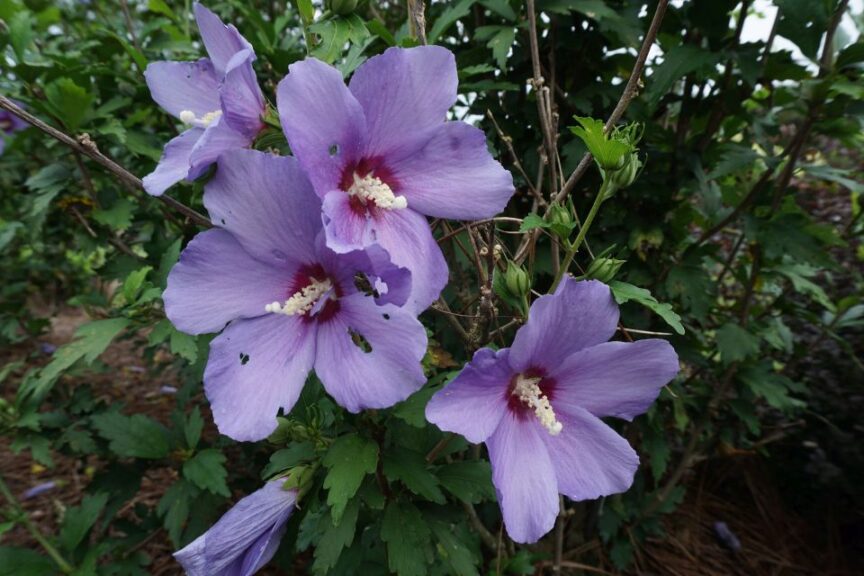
x: 87, y: 147
x: 630, y: 92
x: 417, y: 11
x: 544, y: 106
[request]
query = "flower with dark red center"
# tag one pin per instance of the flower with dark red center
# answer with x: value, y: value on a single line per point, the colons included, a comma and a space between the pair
x: 218, y: 98
x: 537, y: 405
x: 291, y: 304
x: 382, y: 156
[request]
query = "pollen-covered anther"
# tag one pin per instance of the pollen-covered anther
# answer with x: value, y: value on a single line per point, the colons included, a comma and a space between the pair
x: 301, y: 302
x: 527, y: 389
x: 189, y: 117
x: 372, y: 189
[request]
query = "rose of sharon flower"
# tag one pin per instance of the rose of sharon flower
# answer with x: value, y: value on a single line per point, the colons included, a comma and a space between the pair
x: 381, y: 156
x: 217, y: 97
x: 245, y: 538
x: 9, y: 124
x: 537, y: 405
x: 292, y: 303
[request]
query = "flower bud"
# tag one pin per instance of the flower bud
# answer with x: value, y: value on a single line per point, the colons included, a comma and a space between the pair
x: 288, y: 431
x: 560, y: 221
x: 516, y: 280
x: 342, y: 7
x: 604, y: 269
x: 626, y: 175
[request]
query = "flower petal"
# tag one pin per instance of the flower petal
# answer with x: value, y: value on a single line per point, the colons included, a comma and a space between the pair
x: 448, y: 172
x: 222, y: 42
x: 405, y: 234
x: 241, y: 98
x: 267, y: 204
x: 217, y: 139
x: 347, y: 229
x: 174, y: 164
x: 475, y: 401
x: 590, y: 459
x: 245, y: 532
x: 393, y: 283
x: 179, y: 86
x: 256, y: 367
x: 379, y: 378
x: 404, y: 87
x: 524, y: 478
x: 578, y: 315
x: 216, y: 281
x: 322, y: 120
x: 618, y: 379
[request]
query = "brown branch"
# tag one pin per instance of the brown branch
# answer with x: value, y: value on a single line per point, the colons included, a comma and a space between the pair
x: 84, y: 145
x: 630, y: 91
x: 417, y: 21
x: 544, y: 104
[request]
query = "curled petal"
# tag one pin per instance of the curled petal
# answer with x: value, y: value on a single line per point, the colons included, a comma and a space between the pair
x: 184, y: 86
x: 222, y: 42
x: 174, y: 164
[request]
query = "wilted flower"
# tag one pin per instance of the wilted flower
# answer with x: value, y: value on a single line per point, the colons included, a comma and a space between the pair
x: 538, y: 404
x: 9, y: 124
x: 245, y: 538
x: 292, y: 303
x: 381, y: 156
x: 217, y: 97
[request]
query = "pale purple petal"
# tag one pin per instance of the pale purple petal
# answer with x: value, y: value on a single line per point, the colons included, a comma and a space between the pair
x: 245, y: 538
x: 524, y: 478
x: 403, y: 91
x: 347, y: 229
x: 217, y: 139
x: 256, y: 367
x: 174, y: 164
x: 475, y: 401
x: 379, y: 378
x: 405, y: 234
x: 590, y: 459
x: 267, y: 204
x: 448, y: 172
x: 620, y: 379
x: 392, y: 282
x: 578, y: 315
x: 241, y: 97
x: 222, y: 42
x: 322, y: 120
x: 216, y: 281
x: 184, y: 86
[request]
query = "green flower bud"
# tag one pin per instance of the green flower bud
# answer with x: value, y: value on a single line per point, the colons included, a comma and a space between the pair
x: 517, y: 281
x: 627, y: 174
x: 288, y: 431
x: 342, y: 7
x: 560, y: 221
x: 604, y: 269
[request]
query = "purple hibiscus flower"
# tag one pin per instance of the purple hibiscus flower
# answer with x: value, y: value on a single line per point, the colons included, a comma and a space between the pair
x: 381, y: 156
x: 292, y: 303
x: 9, y: 124
x: 245, y: 538
x: 537, y: 405
x: 217, y: 97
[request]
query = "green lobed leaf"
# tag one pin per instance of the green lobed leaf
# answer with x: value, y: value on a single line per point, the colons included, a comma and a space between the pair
x: 207, y: 471
x: 348, y: 460
x: 471, y: 481
x: 289, y: 457
x: 735, y: 343
x: 624, y: 292
x: 69, y: 102
x: 406, y: 533
x: 335, y: 538
x: 410, y: 468
x: 135, y: 436
x: 78, y: 520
